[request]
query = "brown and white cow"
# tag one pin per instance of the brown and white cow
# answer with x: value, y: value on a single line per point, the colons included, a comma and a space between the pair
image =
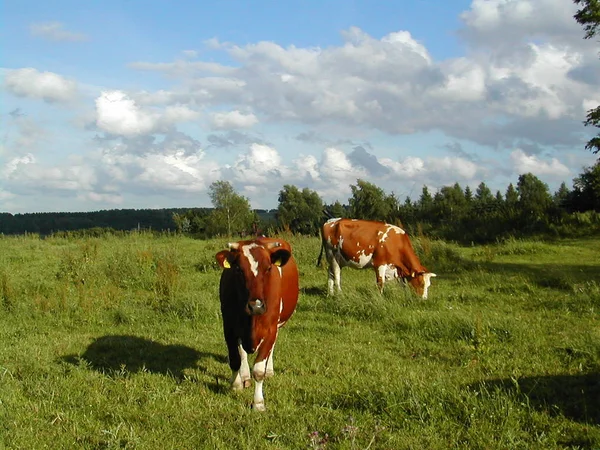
x: 364, y: 243
x: 258, y: 292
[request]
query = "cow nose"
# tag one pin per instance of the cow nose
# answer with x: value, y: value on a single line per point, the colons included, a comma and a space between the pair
x: 256, y: 306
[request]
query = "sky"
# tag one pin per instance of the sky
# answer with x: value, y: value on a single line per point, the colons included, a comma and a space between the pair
x: 143, y: 104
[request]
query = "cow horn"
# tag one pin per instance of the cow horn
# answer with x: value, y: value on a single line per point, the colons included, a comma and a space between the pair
x: 273, y: 245
x: 233, y: 245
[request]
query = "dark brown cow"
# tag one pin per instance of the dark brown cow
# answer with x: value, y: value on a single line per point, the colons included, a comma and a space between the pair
x: 364, y: 243
x: 259, y: 292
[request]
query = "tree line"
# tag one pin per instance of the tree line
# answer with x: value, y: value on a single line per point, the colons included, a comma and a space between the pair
x: 453, y: 212
x: 525, y: 209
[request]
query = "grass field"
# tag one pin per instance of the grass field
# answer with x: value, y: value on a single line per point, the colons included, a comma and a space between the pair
x: 117, y: 343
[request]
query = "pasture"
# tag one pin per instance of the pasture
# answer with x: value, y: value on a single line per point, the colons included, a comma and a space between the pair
x: 116, y: 342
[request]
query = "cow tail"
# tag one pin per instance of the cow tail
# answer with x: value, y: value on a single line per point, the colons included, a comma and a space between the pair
x: 320, y: 254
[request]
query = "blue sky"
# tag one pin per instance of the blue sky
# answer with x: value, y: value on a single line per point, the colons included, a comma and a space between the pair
x: 135, y: 104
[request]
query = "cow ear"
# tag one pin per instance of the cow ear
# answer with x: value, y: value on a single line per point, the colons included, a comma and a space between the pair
x: 280, y: 257
x: 223, y: 258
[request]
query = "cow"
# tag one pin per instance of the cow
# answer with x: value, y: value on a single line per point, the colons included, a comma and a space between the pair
x: 258, y: 293
x: 364, y: 243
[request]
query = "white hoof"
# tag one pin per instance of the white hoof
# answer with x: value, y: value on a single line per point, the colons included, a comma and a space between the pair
x: 258, y: 406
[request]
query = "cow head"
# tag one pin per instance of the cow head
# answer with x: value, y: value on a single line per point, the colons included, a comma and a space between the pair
x: 420, y: 282
x: 256, y: 267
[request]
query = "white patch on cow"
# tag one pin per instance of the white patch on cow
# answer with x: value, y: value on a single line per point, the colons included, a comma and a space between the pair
x: 364, y: 260
x: 258, y: 346
x: 253, y: 263
x: 389, y: 228
x: 270, y: 371
x: 259, y: 372
x: 334, y: 274
x: 280, y: 271
x: 427, y: 282
x: 387, y: 272
x: 332, y: 222
x: 241, y: 378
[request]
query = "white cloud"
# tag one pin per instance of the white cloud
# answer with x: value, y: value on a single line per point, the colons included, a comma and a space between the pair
x: 260, y: 165
x: 47, y: 86
x: 119, y: 114
x: 26, y: 173
x: 307, y: 166
x: 523, y: 163
x: 232, y: 120
x: 522, y: 88
x: 54, y: 31
x: 336, y: 166
x: 503, y: 22
x: 458, y: 168
x: 411, y: 167
x: 96, y: 197
x: 13, y: 164
x: 394, y: 85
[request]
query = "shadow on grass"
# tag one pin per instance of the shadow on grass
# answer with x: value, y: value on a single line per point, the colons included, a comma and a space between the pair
x: 556, y: 275
x: 114, y: 354
x: 576, y: 397
x: 320, y: 291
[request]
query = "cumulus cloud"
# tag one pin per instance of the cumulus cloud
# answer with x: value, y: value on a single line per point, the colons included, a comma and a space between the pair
x: 54, y: 31
x: 232, y: 119
x: 119, y: 114
x: 259, y: 165
x: 26, y: 174
x: 504, y: 22
x: 522, y: 88
x: 47, y: 86
x: 523, y: 163
x: 394, y: 85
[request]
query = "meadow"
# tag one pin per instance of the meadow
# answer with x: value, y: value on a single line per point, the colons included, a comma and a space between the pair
x: 116, y: 342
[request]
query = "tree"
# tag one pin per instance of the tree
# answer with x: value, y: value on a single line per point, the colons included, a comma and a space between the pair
x: 336, y: 209
x: 562, y: 196
x: 468, y: 195
x: 586, y: 189
x: 534, y: 199
x: 511, y: 196
x: 589, y: 17
x: 450, y: 203
x: 368, y: 202
x: 301, y: 211
x: 483, y: 194
x: 231, y: 211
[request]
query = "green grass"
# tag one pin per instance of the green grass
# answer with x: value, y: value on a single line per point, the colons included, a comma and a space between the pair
x: 116, y: 342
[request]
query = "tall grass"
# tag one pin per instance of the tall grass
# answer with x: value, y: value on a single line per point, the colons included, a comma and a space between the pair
x: 116, y: 342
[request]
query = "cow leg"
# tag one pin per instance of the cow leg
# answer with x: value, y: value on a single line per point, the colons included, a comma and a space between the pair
x: 238, y: 363
x: 244, y: 368
x: 334, y: 276
x: 380, y: 271
x: 259, y: 371
x: 270, y: 372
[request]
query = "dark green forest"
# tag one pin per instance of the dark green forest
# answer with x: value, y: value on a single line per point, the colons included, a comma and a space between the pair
x: 526, y: 208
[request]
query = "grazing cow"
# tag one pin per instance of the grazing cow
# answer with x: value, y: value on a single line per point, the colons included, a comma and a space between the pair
x: 364, y: 243
x: 258, y: 292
